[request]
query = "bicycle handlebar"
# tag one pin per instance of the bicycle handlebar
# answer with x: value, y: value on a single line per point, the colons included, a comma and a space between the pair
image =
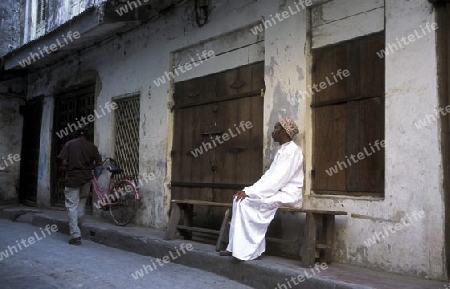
x: 113, y: 161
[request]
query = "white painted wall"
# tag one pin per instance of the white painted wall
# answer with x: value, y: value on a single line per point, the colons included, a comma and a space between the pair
x: 131, y: 62
x: 341, y: 20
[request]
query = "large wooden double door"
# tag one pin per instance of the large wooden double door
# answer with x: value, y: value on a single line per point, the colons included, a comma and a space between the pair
x: 218, y: 138
x: 70, y: 106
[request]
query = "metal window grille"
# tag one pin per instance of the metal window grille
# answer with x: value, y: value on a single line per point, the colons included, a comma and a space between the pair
x: 127, y: 137
x: 75, y: 7
x: 40, y: 18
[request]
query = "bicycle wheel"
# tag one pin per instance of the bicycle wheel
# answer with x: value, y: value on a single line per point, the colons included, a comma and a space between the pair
x: 125, y: 204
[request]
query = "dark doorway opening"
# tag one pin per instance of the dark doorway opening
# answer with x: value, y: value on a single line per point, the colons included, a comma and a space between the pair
x: 31, y: 138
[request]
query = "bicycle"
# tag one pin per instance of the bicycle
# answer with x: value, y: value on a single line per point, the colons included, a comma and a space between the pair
x: 122, y: 198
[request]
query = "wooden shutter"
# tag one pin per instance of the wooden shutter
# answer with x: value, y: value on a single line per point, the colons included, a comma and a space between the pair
x: 349, y: 117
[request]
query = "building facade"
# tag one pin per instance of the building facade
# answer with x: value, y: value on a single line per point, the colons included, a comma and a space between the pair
x: 367, y: 84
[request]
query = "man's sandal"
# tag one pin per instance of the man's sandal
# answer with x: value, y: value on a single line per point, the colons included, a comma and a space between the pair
x: 225, y: 253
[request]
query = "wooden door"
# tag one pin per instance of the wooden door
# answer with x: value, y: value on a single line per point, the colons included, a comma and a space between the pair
x: 218, y: 138
x: 69, y: 108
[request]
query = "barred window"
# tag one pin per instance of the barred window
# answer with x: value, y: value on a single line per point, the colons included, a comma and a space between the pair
x: 126, y: 140
x: 40, y: 18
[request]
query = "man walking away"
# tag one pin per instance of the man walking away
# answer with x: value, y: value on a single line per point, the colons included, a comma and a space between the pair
x: 78, y: 157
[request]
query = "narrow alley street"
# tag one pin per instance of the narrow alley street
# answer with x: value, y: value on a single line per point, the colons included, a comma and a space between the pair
x: 50, y: 262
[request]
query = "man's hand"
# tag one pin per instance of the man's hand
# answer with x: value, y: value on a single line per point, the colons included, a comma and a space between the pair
x: 65, y: 164
x: 240, y: 195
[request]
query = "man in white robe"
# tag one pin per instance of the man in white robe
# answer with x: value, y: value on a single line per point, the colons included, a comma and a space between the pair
x: 254, y: 207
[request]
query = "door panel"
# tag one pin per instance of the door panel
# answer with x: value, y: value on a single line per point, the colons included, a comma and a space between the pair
x: 212, y: 155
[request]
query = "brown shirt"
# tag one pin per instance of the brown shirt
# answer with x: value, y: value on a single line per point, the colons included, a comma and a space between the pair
x: 80, y: 155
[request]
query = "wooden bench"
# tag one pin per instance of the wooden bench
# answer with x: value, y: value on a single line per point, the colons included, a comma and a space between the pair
x: 313, y: 245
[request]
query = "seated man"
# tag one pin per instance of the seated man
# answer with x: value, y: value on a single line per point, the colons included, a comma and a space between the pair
x: 254, y: 207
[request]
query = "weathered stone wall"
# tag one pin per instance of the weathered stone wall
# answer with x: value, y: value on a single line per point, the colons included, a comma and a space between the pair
x: 12, y: 95
x: 9, y: 25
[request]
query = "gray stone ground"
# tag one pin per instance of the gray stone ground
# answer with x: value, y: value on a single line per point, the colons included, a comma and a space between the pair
x: 52, y: 263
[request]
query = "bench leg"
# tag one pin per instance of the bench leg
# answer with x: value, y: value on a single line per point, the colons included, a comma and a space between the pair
x: 224, y: 231
x: 309, y: 245
x: 188, y: 220
x: 328, y: 232
x: 173, y: 222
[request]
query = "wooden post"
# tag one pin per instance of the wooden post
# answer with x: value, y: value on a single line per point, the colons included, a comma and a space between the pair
x: 188, y: 220
x: 173, y: 222
x: 328, y: 232
x: 309, y: 245
x: 224, y: 231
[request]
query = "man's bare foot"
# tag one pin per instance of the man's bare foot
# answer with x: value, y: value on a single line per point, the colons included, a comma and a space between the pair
x: 225, y: 253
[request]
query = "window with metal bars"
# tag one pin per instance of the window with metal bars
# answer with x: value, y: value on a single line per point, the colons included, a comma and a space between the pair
x: 126, y: 142
x: 40, y: 18
x: 75, y: 7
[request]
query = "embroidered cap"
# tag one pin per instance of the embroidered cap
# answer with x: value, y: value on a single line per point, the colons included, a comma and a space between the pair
x: 289, y: 126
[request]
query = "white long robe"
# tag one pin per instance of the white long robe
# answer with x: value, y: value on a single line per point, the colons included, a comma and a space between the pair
x: 280, y: 185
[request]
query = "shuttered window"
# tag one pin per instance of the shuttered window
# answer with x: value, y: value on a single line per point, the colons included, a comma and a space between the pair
x: 348, y: 118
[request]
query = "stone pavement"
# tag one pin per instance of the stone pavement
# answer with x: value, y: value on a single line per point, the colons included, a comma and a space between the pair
x: 268, y: 272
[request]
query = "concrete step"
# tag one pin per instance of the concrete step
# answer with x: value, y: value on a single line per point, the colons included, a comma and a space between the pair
x: 268, y: 272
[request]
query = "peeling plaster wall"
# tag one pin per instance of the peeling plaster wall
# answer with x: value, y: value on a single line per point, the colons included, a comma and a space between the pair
x: 130, y: 63
x: 12, y: 93
x: 57, y: 13
x: 9, y: 25
x: 62, y: 14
